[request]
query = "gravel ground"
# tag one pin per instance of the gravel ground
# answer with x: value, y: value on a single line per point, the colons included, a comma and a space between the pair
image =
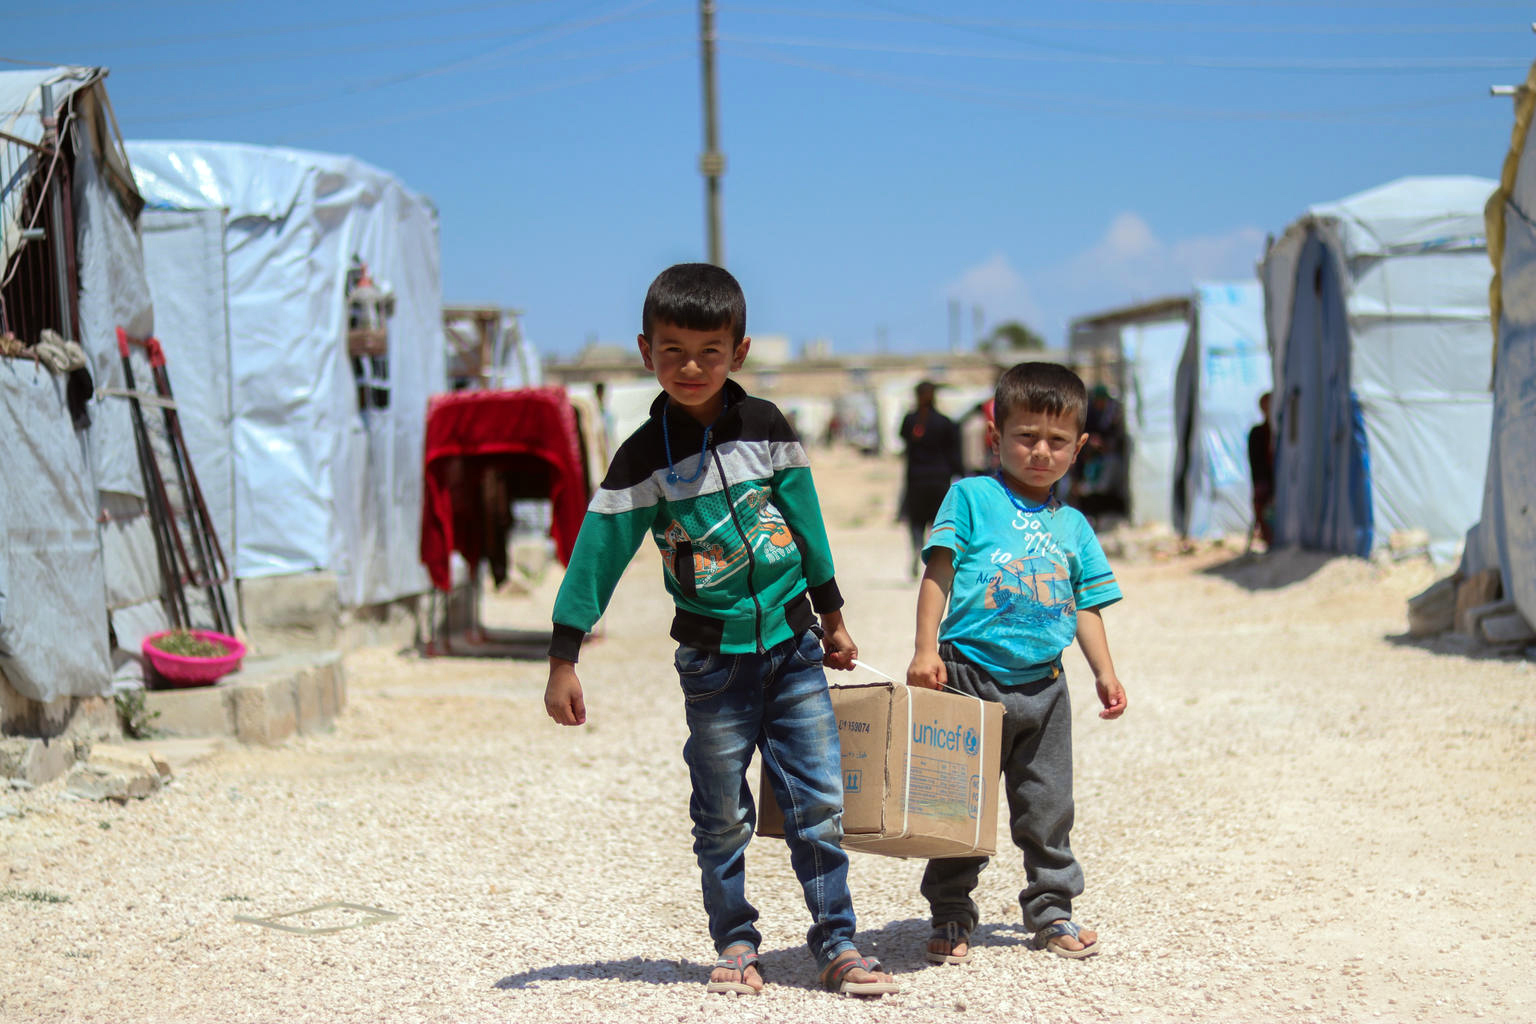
x: 1302, y: 817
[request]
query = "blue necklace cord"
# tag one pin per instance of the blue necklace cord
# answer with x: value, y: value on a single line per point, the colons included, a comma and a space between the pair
x: 1018, y: 504
x: 666, y: 442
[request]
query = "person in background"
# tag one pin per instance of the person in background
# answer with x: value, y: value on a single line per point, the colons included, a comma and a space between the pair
x: 933, y: 460
x: 1261, y: 467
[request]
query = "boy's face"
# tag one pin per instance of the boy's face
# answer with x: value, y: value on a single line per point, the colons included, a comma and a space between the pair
x: 691, y: 366
x: 1036, y: 449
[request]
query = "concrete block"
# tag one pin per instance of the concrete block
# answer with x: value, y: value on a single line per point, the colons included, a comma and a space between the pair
x: 1478, y: 589
x: 192, y: 711
x: 266, y: 712
x: 301, y: 611
x: 1433, y: 610
x: 306, y: 691
x: 36, y: 761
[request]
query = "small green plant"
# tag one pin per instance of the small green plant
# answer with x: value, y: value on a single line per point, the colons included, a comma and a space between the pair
x: 188, y: 645
x: 33, y: 896
x: 138, y: 720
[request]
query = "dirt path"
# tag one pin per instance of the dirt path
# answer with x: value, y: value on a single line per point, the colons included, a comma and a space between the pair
x: 1300, y: 818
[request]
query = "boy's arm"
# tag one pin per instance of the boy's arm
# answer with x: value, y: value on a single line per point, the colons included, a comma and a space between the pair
x: 841, y: 652
x: 1095, y: 644
x: 927, y: 668
x: 610, y: 535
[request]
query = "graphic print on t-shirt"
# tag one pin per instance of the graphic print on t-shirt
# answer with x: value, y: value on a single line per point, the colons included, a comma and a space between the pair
x: 1034, y: 588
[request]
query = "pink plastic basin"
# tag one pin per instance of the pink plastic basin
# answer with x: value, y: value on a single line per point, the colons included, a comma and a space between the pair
x: 180, y: 670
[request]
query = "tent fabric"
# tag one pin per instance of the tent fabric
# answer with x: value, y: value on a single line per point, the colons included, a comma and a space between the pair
x: 1377, y: 317
x: 532, y: 432
x: 1141, y: 346
x: 52, y: 578
x: 78, y: 549
x: 318, y: 482
x: 1505, y: 534
x: 1152, y: 353
x: 21, y: 101
x: 1222, y: 373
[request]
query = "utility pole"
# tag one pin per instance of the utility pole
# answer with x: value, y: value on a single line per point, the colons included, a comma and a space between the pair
x: 711, y: 161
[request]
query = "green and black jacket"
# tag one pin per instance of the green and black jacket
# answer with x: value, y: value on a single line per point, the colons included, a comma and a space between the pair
x: 743, y: 549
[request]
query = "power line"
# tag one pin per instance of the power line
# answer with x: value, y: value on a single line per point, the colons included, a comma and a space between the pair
x: 1272, y: 28
x: 482, y: 101
x: 1057, y: 101
x: 1320, y: 64
x: 320, y: 90
x: 347, y: 24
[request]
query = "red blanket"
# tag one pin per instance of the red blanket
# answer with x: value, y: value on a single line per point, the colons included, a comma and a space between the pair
x: 530, y: 436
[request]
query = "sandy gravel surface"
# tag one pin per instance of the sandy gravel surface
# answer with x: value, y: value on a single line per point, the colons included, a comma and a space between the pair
x: 1301, y: 817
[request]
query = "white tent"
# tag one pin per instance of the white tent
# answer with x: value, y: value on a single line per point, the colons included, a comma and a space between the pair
x: 1223, y: 372
x: 1505, y: 535
x: 1378, y: 327
x: 1135, y: 351
x: 249, y: 250
x: 78, y: 553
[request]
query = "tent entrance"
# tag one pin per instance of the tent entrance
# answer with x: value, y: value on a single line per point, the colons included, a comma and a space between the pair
x: 1321, y: 451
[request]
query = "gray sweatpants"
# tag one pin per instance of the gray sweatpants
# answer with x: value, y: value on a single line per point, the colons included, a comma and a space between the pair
x: 1037, y: 776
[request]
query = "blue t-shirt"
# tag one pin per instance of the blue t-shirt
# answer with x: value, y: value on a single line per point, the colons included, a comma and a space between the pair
x: 1020, y: 578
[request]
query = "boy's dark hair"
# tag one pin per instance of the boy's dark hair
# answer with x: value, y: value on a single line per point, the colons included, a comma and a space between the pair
x: 1040, y: 387
x: 698, y: 296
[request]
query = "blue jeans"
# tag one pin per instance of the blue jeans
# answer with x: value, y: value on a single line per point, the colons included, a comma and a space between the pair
x: 775, y: 702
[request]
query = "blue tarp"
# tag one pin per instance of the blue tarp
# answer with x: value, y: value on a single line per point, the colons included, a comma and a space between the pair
x: 1222, y: 374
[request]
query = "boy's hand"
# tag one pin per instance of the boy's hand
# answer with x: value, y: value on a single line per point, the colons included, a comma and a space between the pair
x: 927, y: 670
x: 1112, y: 696
x: 562, y: 694
x: 839, y: 648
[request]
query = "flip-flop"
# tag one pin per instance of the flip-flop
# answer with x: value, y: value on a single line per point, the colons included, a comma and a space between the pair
x: 954, y: 933
x: 1046, y: 938
x: 834, y: 978
x: 738, y: 963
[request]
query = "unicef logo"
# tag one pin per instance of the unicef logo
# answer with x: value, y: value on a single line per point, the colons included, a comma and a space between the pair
x: 972, y: 742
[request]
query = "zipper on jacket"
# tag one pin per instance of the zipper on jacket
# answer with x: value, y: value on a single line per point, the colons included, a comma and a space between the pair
x: 730, y: 504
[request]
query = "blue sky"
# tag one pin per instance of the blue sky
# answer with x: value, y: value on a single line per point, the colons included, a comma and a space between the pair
x: 1031, y: 161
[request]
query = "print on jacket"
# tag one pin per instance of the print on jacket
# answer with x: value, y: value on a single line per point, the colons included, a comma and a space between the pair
x: 714, y: 557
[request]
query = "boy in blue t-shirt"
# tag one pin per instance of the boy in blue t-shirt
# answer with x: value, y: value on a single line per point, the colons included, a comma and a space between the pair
x: 1022, y: 574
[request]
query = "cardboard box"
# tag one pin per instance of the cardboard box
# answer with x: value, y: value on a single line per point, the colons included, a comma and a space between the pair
x: 920, y: 772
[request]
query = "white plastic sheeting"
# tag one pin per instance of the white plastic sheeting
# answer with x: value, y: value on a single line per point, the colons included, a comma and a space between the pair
x: 53, y: 612
x: 1223, y: 372
x: 1139, y: 347
x: 1378, y: 319
x: 76, y: 542
x: 1152, y: 352
x: 318, y: 483
x: 1505, y: 535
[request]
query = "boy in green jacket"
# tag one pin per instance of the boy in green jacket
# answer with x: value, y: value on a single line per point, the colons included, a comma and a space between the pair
x: 720, y: 482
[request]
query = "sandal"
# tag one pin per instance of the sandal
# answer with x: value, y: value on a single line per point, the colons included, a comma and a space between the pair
x: 1046, y: 938
x: 834, y: 978
x: 954, y: 934
x: 738, y: 963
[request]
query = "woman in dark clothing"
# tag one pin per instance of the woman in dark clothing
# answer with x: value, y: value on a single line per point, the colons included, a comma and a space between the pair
x: 933, y: 460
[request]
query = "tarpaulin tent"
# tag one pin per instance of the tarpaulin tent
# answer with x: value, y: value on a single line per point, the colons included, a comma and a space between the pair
x: 78, y: 553
x: 1135, y: 351
x: 312, y: 479
x: 1505, y: 534
x: 1223, y: 372
x: 1378, y: 327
